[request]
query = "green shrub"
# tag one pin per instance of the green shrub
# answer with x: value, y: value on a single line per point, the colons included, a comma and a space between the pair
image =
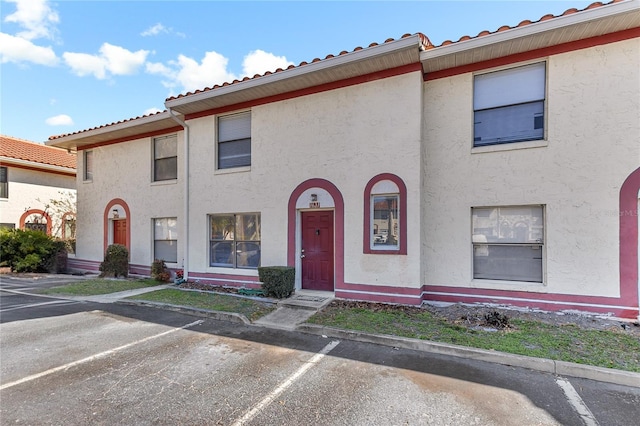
x: 31, y: 251
x: 159, y: 271
x: 277, y: 281
x: 116, y: 262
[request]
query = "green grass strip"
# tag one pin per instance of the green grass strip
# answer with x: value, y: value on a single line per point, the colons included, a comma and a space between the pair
x: 99, y: 286
x: 251, y: 309
x: 564, y: 343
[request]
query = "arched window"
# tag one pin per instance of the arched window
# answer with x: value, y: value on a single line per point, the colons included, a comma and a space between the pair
x: 385, y: 215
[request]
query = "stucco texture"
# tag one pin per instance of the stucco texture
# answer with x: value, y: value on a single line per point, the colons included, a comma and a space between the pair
x: 576, y: 173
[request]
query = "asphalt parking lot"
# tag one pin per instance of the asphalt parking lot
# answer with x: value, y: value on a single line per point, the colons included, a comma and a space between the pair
x: 88, y: 363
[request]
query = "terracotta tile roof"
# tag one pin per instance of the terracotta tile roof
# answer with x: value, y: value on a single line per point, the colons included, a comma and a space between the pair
x: 425, y: 42
x: 21, y: 149
x: 54, y: 137
x: 528, y: 22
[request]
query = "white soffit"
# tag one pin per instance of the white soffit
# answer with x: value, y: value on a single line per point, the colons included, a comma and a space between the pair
x: 561, y: 29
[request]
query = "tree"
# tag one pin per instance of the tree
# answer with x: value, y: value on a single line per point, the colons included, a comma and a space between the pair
x: 62, y: 211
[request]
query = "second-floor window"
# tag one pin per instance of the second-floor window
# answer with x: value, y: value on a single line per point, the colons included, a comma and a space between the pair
x: 234, y: 140
x: 87, y: 165
x: 165, y: 158
x: 4, y: 183
x: 509, y: 105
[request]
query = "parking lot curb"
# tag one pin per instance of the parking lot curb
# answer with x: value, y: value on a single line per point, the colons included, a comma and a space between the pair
x: 562, y: 368
x: 217, y: 315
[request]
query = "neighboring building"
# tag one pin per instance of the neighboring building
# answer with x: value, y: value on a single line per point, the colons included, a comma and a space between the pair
x: 31, y: 175
x: 500, y: 168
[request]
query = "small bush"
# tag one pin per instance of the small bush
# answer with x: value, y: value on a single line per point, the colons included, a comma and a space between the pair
x: 31, y: 251
x: 159, y: 271
x: 277, y: 281
x: 116, y: 262
x: 496, y: 319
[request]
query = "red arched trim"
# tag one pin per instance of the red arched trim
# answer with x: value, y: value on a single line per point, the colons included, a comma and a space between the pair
x: 366, y: 245
x: 63, y: 223
x: 107, y: 210
x: 629, y: 238
x: 42, y: 213
x: 338, y: 218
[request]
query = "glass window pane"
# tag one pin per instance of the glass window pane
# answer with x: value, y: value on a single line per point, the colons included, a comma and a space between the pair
x: 166, y: 250
x: 234, y: 154
x: 4, y: 183
x: 234, y: 127
x: 166, y: 229
x: 222, y: 227
x: 509, y: 124
x: 385, y: 223
x: 248, y: 227
x: 506, y: 225
x: 221, y: 253
x: 165, y: 169
x: 509, y: 87
x: 88, y: 165
x: 165, y: 147
x: 248, y: 255
x: 512, y: 263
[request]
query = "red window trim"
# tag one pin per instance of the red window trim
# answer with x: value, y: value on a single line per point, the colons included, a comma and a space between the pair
x: 366, y: 245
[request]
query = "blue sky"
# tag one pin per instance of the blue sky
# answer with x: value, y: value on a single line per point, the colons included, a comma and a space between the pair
x: 73, y: 65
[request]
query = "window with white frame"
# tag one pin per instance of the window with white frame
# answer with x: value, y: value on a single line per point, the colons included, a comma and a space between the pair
x: 234, y: 240
x: 4, y: 182
x: 87, y: 165
x: 385, y: 222
x: 508, y: 243
x: 165, y: 158
x: 165, y: 239
x: 234, y: 140
x: 509, y: 105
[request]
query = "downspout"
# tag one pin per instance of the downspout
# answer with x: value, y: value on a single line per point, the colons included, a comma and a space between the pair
x: 185, y: 259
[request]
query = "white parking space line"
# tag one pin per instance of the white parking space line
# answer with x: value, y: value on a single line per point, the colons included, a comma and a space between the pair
x: 33, y: 305
x: 576, y: 402
x: 284, y: 385
x: 96, y: 356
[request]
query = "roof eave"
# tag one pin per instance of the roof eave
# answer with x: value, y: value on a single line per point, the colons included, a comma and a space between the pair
x: 9, y: 161
x: 110, y: 132
x: 580, y: 17
x: 413, y: 41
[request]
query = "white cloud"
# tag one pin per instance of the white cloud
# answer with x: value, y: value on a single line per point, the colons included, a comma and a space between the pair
x: 259, y: 62
x: 59, y: 120
x: 36, y: 17
x: 114, y: 60
x: 154, y: 30
x: 186, y: 74
x: 16, y: 49
x: 151, y: 110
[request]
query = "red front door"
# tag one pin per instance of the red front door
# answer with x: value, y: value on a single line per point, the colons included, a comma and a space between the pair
x: 120, y: 232
x: 317, y: 250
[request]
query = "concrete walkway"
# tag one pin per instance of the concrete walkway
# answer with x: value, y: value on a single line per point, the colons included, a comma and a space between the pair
x: 296, y: 309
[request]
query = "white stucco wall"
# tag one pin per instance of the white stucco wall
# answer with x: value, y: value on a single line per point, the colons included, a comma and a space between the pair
x: 32, y: 189
x: 592, y: 145
x: 346, y: 136
x: 124, y: 171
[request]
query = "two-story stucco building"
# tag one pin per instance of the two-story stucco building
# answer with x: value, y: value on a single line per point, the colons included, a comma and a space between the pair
x: 31, y: 175
x: 499, y: 168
